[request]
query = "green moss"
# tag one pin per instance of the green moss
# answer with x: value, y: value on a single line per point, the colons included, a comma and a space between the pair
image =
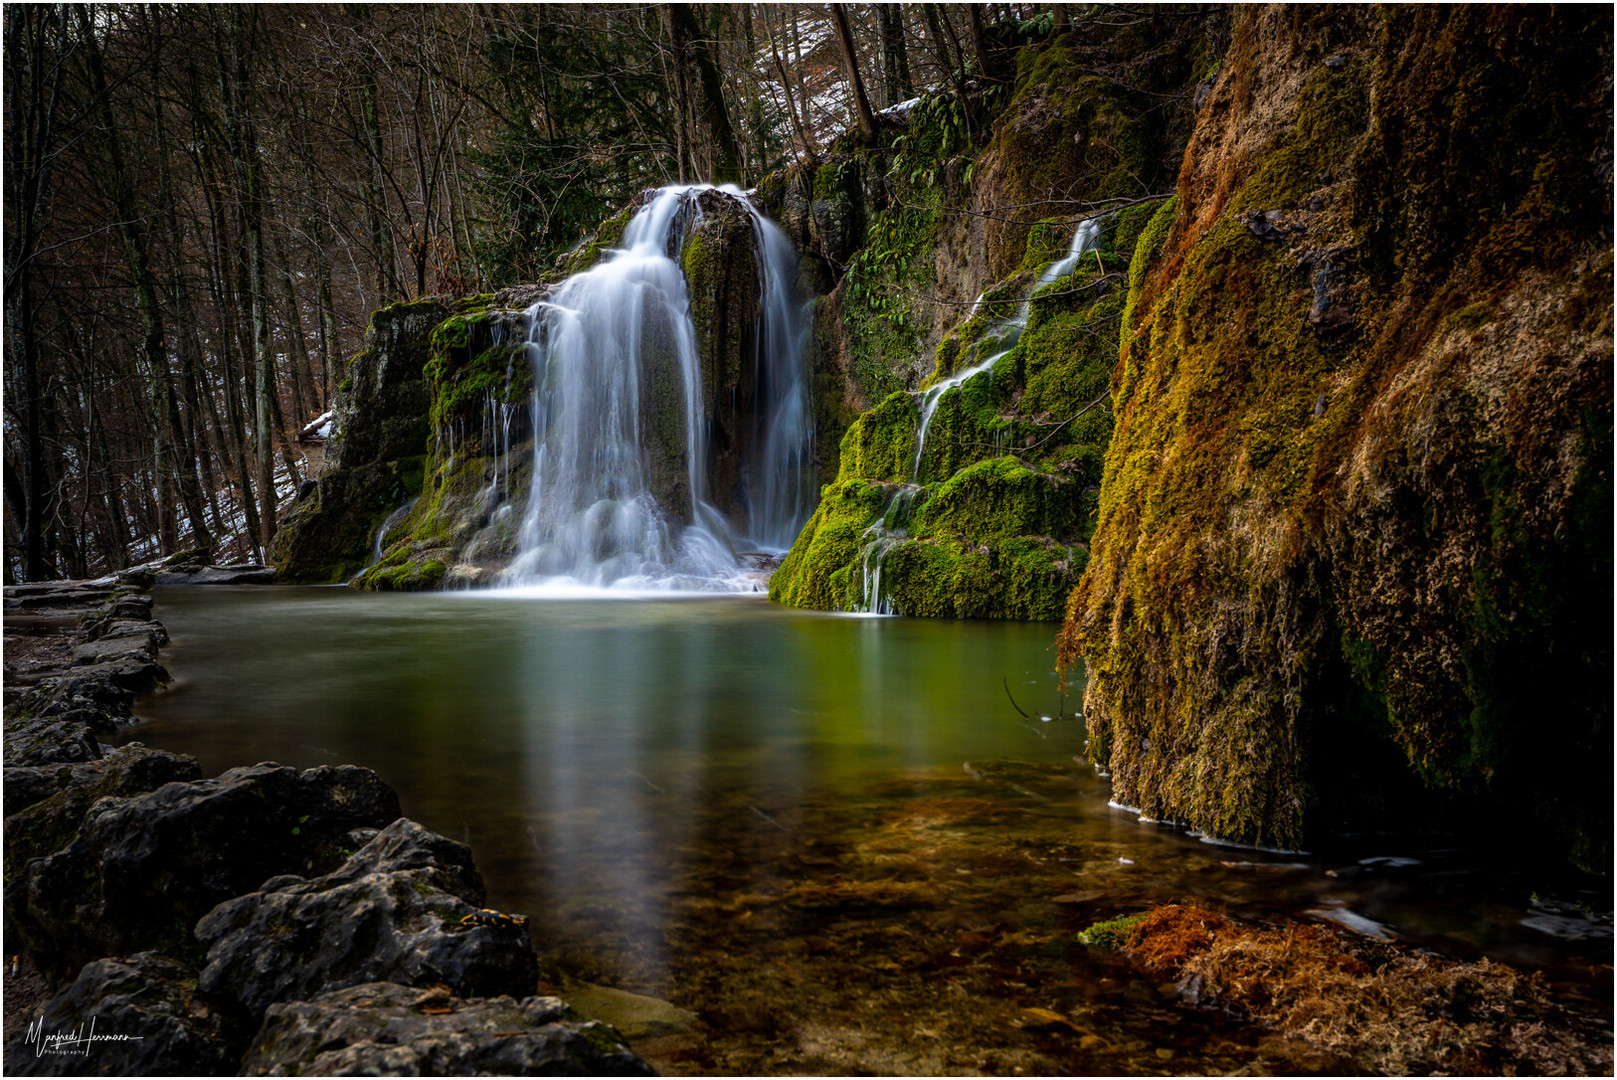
x: 996, y: 498
x: 397, y: 572
x: 829, y: 543
x: 607, y: 235
x: 1146, y: 249
x: 1332, y: 115
x: 880, y: 445
x: 1473, y: 316
x: 1111, y: 935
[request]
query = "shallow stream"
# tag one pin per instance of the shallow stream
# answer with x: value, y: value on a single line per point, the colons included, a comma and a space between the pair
x: 832, y: 838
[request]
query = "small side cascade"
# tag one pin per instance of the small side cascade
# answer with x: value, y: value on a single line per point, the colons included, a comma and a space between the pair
x: 499, y: 419
x: 1002, y: 335
x: 382, y: 530
x: 878, y: 539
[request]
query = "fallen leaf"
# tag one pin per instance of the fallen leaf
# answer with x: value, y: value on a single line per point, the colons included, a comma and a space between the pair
x: 1047, y: 1017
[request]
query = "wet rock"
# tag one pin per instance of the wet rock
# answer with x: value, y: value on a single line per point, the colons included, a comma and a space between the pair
x: 391, y: 913
x: 52, y: 741
x: 238, y: 574
x: 141, y: 870
x: 373, y: 458
x: 383, y: 1029
x: 77, y: 653
x: 44, y: 805
x: 1333, y: 303
x: 147, y: 1018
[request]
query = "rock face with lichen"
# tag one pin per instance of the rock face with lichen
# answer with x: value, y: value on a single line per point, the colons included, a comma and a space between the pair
x: 1355, y: 521
x: 376, y: 455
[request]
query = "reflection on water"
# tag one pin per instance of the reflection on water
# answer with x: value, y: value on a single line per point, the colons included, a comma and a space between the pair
x: 680, y: 791
x: 573, y: 744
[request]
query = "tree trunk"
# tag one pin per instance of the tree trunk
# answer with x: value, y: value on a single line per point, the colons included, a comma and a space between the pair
x: 868, y: 130
x: 33, y: 83
x: 166, y: 426
x: 895, y: 57
x: 979, y: 43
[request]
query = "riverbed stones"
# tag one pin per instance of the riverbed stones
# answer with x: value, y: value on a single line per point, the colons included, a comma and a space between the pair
x: 76, y: 654
x: 384, y: 1029
x: 140, y: 870
x: 391, y: 913
x: 146, y: 1016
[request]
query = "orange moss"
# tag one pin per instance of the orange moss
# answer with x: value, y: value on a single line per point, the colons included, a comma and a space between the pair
x: 1384, y: 1007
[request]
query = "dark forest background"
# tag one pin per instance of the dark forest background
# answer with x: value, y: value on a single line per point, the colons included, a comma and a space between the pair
x: 203, y: 204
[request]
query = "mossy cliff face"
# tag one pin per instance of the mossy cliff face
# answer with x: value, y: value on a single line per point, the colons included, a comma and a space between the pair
x: 987, y: 516
x: 1083, y: 133
x: 376, y: 454
x: 1354, y: 534
x: 462, y: 527
x: 722, y: 276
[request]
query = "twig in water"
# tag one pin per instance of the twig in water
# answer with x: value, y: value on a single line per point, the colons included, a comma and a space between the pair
x: 1006, y: 682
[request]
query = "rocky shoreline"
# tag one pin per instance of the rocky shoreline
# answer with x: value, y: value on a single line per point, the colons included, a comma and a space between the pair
x: 266, y: 921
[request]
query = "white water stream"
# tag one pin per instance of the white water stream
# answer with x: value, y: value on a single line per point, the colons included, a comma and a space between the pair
x: 999, y: 338
x: 603, y: 344
x: 1001, y: 335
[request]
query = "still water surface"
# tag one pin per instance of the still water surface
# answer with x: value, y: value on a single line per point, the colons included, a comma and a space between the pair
x: 642, y: 776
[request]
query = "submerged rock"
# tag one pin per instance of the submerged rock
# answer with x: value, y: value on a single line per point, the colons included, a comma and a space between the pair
x: 383, y: 1029
x: 391, y: 913
x: 147, y: 1018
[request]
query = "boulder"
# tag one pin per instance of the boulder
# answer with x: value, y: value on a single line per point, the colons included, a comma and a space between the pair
x: 146, y: 1020
x: 383, y: 1029
x: 391, y: 913
x: 44, y: 805
x: 141, y: 870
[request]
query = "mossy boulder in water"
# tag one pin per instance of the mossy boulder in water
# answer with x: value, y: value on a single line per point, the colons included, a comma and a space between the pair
x: 1354, y: 534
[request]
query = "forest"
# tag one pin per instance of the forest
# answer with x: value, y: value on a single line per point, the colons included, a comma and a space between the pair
x: 204, y: 204
x: 865, y: 538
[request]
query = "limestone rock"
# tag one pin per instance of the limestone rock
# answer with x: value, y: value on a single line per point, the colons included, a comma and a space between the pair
x: 146, y: 1016
x: 379, y: 1029
x: 391, y: 913
x: 141, y: 870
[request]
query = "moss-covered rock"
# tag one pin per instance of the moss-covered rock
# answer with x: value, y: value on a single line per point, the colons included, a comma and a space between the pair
x: 1346, y: 545
x: 377, y: 453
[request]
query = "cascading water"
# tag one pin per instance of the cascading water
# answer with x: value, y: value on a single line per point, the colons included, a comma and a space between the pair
x: 1002, y: 335
x: 615, y: 501
x: 999, y: 338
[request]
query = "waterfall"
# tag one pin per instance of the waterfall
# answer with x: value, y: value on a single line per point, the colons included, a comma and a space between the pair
x: 620, y: 493
x: 1002, y: 335
x: 999, y: 338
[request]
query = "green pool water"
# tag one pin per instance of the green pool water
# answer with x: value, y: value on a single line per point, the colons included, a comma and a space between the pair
x: 682, y: 791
